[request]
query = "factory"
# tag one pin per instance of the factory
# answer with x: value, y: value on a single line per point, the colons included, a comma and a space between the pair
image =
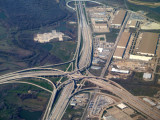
x: 118, y: 19
x: 99, y: 19
x: 47, y: 37
x: 99, y: 25
x: 122, y: 44
x: 132, y: 23
x: 123, y: 40
x: 138, y: 57
x: 120, y: 71
x: 118, y: 54
x: 148, y: 44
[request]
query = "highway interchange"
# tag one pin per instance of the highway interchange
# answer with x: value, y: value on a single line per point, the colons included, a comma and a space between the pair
x: 82, y: 58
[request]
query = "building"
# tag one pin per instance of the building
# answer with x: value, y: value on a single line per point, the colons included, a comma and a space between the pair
x: 73, y: 103
x: 95, y: 67
x: 118, y: 54
x: 120, y: 71
x: 100, y: 50
x: 122, y: 106
x: 149, y: 101
x: 124, y: 40
x: 109, y: 117
x: 122, y: 44
x: 118, y: 19
x: 47, y: 37
x: 100, y: 25
x: 148, y: 44
x: 139, y: 57
x: 132, y: 23
x: 147, y: 75
x: 158, y: 107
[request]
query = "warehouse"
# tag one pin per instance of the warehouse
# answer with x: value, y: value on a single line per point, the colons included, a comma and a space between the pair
x: 118, y: 19
x: 132, y: 23
x: 138, y: 57
x: 100, y: 26
x: 120, y: 71
x: 122, y: 44
x: 118, y: 54
x: 124, y: 40
x: 148, y: 44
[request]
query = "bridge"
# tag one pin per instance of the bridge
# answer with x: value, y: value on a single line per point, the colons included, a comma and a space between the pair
x: 82, y: 60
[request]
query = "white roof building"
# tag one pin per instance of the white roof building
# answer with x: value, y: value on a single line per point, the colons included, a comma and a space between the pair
x: 147, y: 75
x: 149, y: 101
x: 121, y: 106
x: 138, y: 57
x: 95, y: 67
x: 100, y: 49
x: 109, y: 118
x: 73, y: 103
x: 120, y: 71
x: 158, y: 107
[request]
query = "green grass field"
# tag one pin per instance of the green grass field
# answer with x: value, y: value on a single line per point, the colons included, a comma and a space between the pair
x: 16, y: 103
x: 152, y: 12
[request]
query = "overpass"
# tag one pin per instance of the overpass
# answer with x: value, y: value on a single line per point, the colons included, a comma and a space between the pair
x: 112, y: 87
x: 86, y: 50
x: 68, y: 1
x: 83, y: 62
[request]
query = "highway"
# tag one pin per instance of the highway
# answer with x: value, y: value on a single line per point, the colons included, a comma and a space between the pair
x: 86, y: 50
x: 105, y: 84
x: 129, y: 99
x: 83, y: 60
x: 60, y: 106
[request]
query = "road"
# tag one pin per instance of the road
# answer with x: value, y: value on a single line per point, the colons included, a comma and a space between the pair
x: 86, y: 50
x: 129, y: 99
x: 105, y: 84
x: 83, y: 58
x: 60, y: 106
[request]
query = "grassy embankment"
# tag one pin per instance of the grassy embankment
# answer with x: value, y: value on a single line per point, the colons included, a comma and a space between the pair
x: 151, y: 7
x: 17, y: 103
x: 150, y: 3
x: 18, y: 27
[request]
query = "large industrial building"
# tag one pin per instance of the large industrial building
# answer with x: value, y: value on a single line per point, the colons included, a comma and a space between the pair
x: 123, y: 40
x: 122, y: 44
x: 118, y: 19
x: 132, y: 23
x: 148, y: 44
x: 118, y: 54
x: 100, y: 25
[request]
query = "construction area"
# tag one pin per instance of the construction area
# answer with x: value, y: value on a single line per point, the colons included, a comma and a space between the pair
x: 47, y: 37
x: 136, y: 50
x: 121, y: 112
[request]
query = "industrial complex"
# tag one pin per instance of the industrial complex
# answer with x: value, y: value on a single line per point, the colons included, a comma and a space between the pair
x: 113, y: 53
x: 133, y: 50
x: 148, y: 44
x: 122, y: 44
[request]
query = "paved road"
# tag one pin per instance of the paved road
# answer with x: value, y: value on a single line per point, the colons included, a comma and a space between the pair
x: 83, y: 63
x: 60, y: 106
x: 86, y: 50
x: 107, y: 85
x: 128, y: 98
